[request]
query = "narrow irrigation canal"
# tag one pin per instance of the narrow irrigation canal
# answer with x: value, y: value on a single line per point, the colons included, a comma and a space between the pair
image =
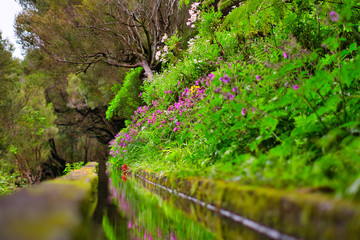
x: 140, y: 209
x: 98, y: 206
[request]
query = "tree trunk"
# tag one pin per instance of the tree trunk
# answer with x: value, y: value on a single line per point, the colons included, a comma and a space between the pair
x: 148, y: 71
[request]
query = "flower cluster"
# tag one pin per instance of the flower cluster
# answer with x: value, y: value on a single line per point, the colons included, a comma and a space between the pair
x: 194, y: 14
x: 162, y: 51
x: 191, y: 43
x: 227, y: 95
x: 145, y: 116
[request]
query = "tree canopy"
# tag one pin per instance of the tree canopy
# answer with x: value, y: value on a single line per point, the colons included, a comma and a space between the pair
x: 84, y: 33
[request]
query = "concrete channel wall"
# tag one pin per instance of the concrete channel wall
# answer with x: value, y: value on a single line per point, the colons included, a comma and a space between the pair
x: 296, y: 215
x: 58, y: 209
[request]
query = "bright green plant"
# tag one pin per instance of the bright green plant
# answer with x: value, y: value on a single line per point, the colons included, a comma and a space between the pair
x: 69, y: 167
x: 127, y: 99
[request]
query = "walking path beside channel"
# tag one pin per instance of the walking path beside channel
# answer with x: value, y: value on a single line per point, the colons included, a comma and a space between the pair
x: 53, y: 210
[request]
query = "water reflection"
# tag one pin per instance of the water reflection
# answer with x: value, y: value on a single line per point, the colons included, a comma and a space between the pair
x: 220, y: 226
x: 140, y: 210
x: 147, y: 216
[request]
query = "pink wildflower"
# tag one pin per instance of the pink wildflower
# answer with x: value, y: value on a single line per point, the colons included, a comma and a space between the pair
x: 243, y: 111
x: 296, y: 87
x: 334, y: 16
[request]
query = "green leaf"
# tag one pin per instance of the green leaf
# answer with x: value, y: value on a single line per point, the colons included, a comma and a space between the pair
x: 352, y: 47
x: 268, y: 125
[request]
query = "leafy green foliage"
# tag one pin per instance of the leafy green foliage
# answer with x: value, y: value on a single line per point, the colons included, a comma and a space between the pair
x: 69, y: 167
x: 10, y: 179
x: 126, y: 100
x: 33, y: 127
x: 26, y: 118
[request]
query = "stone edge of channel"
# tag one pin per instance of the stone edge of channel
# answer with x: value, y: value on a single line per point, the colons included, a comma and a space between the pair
x: 60, y: 208
x: 302, y: 215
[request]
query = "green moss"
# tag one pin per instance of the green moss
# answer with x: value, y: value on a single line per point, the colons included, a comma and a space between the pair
x: 56, y: 209
x: 304, y: 215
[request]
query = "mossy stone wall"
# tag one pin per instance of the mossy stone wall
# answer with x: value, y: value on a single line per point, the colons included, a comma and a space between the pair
x: 56, y: 209
x: 302, y: 215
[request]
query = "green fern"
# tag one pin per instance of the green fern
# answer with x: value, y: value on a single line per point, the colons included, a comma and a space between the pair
x: 222, y: 4
x: 126, y: 100
x: 255, y: 16
x: 207, y: 3
x: 226, y: 3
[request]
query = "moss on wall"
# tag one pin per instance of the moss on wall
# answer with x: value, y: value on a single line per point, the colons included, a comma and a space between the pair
x: 56, y: 209
x: 303, y: 215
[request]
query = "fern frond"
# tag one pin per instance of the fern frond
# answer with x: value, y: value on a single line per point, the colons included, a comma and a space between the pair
x: 255, y: 17
x: 126, y: 101
x: 207, y: 3
x: 227, y: 3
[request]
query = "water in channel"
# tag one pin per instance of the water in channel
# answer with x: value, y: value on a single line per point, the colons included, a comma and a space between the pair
x: 137, y: 209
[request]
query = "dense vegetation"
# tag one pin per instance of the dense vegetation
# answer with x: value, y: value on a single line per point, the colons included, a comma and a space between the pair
x: 260, y: 91
x: 265, y: 92
x: 27, y: 122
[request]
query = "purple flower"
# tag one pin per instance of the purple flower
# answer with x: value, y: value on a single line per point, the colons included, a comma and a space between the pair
x: 165, y: 92
x: 177, y: 123
x: 234, y: 89
x: 211, y: 75
x: 296, y: 87
x: 285, y: 55
x: 243, y: 111
x: 225, y: 79
x: 217, y: 90
x: 257, y: 77
x: 169, y: 91
x: 253, y: 110
x: 334, y: 16
x: 175, y: 129
x: 231, y: 97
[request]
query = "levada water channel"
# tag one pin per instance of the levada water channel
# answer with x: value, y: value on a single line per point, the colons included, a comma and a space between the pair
x: 132, y: 207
